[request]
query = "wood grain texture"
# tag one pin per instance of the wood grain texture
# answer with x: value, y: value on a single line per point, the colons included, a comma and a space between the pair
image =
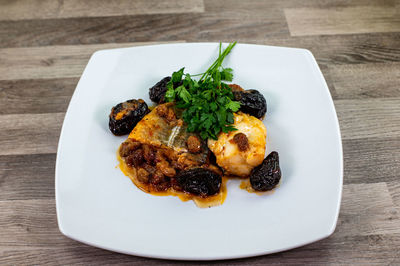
x: 209, y: 26
x: 371, y: 160
x: 36, y: 96
x: 394, y: 189
x: 259, y: 6
x: 370, y: 250
x: 24, y: 177
x: 46, y: 9
x: 64, y: 61
x: 346, y: 20
x: 30, y: 133
x: 369, y: 118
x: 342, y: 49
x: 366, y: 80
x: 376, y: 214
x: 23, y: 223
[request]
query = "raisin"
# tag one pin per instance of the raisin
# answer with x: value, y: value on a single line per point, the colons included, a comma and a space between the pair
x: 128, y: 147
x: 194, y: 144
x: 149, y: 154
x: 143, y: 175
x: 135, y: 159
x: 241, y: 140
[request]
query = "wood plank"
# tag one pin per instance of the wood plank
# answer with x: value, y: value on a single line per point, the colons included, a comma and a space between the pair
x: 78, y: 255
x: 30, y: 223
x: 367, y: 209
x: 36, y: 96
x: 27, y: 176
x: 46, y: 9
x: 210, y: 26
x: 259, y: 6
x: 369, y: 118
x: 341, y: 49
x: 371, y: 160
x: 347, y: 20
x: 369, y: 250
x: 30, y: 133
x: 328, y: 79
x: 366, y: 80
x: 63, y: 61
x: 394, y: 189
x: 356, y: 250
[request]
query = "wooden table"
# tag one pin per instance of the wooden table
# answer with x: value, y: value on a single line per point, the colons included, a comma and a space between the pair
x: 45, y: 44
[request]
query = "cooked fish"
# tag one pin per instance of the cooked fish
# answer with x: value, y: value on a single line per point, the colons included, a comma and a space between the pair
x: 238, y: 152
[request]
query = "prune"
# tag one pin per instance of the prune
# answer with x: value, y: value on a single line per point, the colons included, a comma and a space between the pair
x: 157, y: 92
x: 199, y: 181
x: 267, y: 175
x: 252, y: 102
x: 124, y: 116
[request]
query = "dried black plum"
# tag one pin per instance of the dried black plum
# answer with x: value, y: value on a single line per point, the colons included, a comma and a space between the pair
x: 252, y: 102
x: 124, y: 116
x: 157, y: 92
x: 199, y: 181
x: 267, y: 175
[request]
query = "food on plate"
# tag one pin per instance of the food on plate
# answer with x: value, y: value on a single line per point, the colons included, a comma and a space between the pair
x: 239, y: 151
x: 161, y: 157
x: 124, y: 116
x: 267, y: 175
x: 252, y: 102
x: 201, y: 132
x: 157, y: 92
x: 199, y: 181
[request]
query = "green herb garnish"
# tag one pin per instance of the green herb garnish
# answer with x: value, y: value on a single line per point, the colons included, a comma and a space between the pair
x: 208, y: 103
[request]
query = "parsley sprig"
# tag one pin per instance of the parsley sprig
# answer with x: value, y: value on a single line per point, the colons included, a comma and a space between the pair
x: 208, y: 103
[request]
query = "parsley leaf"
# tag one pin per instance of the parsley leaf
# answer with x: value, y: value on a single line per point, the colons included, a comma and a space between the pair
x: 177, y: 76
x: 233, y: 106
x: 227, y: 74
x: 208, y: 103
x: 170, y: 93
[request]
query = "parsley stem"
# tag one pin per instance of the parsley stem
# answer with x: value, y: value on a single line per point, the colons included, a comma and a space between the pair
x: 219, y: 60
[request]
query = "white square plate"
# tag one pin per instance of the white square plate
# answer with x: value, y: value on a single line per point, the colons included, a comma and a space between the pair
x: 99, y: 206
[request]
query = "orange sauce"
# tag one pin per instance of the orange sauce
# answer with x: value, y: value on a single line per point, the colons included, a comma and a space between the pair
x: 201, y: 202
x: 121, y: 114
x: 245, y: 184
